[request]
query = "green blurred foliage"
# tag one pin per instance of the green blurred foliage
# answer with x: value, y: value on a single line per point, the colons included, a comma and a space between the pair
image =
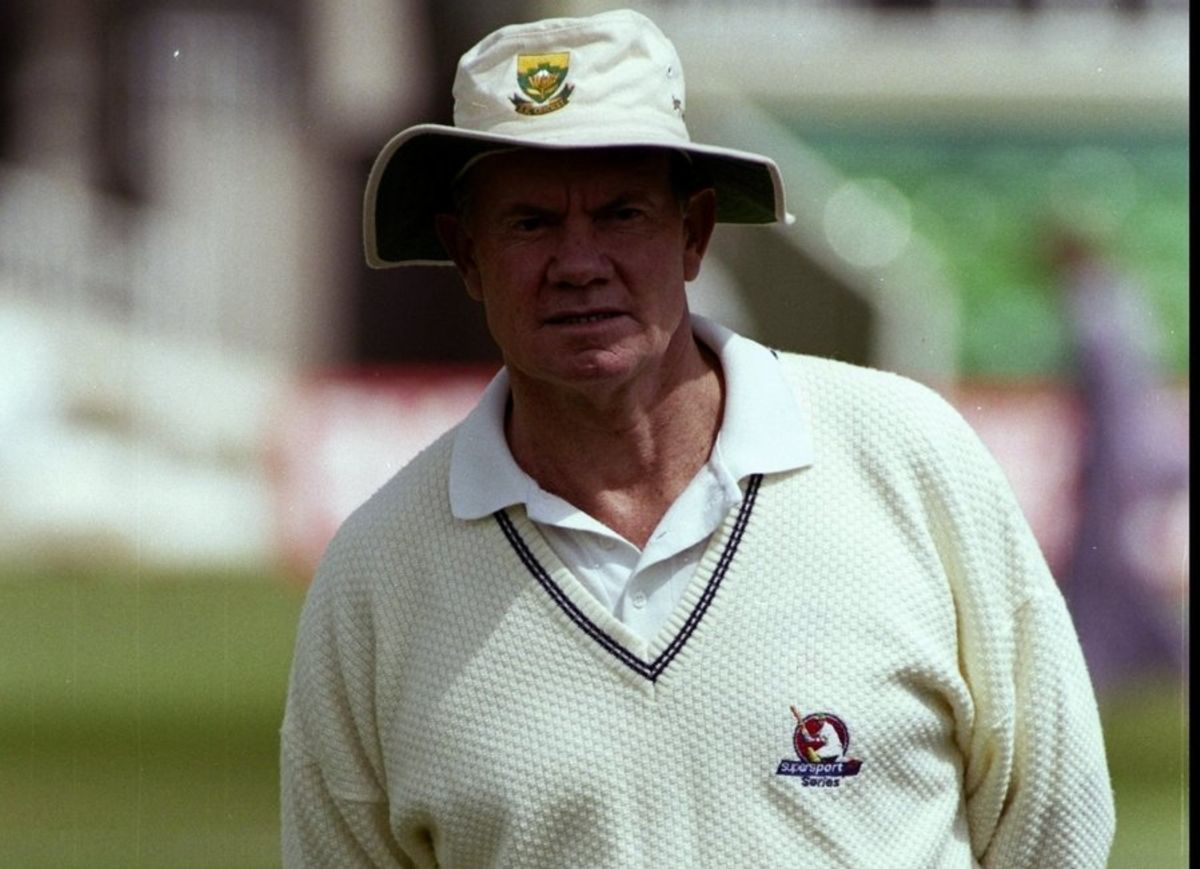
x: 986, y: 198
x: 140, y: 715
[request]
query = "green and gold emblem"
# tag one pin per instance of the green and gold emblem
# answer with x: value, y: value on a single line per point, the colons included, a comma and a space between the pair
x: 542, y: 78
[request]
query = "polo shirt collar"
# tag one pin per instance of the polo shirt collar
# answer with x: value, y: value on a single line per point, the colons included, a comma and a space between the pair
x: 764, y: 429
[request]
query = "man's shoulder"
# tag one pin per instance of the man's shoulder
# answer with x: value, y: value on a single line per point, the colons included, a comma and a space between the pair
x: 415, y: 497
x: 846, y: 387
x: 888, y: 414
x: 397, y: 546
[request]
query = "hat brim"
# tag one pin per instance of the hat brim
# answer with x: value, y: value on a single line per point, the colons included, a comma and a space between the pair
x: 410, y: 183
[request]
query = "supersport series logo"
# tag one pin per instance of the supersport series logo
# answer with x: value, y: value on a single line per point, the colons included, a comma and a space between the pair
x: 822, y: 742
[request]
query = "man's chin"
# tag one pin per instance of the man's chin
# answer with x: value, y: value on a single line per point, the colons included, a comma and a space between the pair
x: 600, y: 367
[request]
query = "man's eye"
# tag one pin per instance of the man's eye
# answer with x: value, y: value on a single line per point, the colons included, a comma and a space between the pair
x: 628, y: 213
x: 528, y: 224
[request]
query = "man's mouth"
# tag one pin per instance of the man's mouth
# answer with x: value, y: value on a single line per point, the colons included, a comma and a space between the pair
x: 576, y: 319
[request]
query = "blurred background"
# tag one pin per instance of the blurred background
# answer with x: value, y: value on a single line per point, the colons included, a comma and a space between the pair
x: 201, y: 378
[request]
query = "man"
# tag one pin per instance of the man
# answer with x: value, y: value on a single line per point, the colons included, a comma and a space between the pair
x: 592, y: 625
x: 1129, y: 476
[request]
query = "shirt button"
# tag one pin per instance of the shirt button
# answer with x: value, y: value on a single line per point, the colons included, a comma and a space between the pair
x: 638, y: 599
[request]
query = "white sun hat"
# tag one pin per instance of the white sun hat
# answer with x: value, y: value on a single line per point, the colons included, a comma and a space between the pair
x: 609, y: 80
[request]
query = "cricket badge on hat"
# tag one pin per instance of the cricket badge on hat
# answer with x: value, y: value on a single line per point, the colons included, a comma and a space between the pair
x: 822, y: 744
x: 542, y: 77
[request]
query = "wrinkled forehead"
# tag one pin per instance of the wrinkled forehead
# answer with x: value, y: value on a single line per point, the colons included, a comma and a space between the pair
x: 533, y: 172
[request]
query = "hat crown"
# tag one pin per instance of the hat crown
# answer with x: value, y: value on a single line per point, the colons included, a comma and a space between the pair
x: 612, y: 79
x: 607, y: 78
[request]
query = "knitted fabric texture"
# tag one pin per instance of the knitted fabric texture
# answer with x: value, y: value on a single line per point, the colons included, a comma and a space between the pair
x: 871, y: 667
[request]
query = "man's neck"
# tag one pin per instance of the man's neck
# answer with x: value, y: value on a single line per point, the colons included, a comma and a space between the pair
x: 621, y: 455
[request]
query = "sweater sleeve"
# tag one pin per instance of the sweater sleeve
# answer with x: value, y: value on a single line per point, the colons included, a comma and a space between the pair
x: 334, y: 807
x: 1036, y: 782
x: 321, y: 828
x: 1057, y: 805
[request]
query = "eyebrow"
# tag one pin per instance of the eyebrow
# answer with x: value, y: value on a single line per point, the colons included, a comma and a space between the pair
x: 528, y: 209
x: 518, y: 209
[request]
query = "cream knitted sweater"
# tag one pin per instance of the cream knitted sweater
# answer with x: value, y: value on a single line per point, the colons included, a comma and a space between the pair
x: 871, y: 668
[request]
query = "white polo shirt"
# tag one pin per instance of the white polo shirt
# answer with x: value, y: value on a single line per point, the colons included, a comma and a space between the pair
x: 764, y: 430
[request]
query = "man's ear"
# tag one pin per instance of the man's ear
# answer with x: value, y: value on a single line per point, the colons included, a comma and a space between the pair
x: 699, y: 218
x: 458, y: 245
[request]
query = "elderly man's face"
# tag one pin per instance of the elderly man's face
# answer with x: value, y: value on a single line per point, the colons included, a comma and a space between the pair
x: 580, y: 261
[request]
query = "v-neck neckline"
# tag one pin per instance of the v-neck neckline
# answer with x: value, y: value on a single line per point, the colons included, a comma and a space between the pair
x: 648, y: 660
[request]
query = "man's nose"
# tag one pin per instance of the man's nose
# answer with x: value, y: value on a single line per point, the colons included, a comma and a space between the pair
x: 579, y: 258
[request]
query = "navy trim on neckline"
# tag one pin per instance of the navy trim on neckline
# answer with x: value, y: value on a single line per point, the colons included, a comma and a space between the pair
x: 655, y: 668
